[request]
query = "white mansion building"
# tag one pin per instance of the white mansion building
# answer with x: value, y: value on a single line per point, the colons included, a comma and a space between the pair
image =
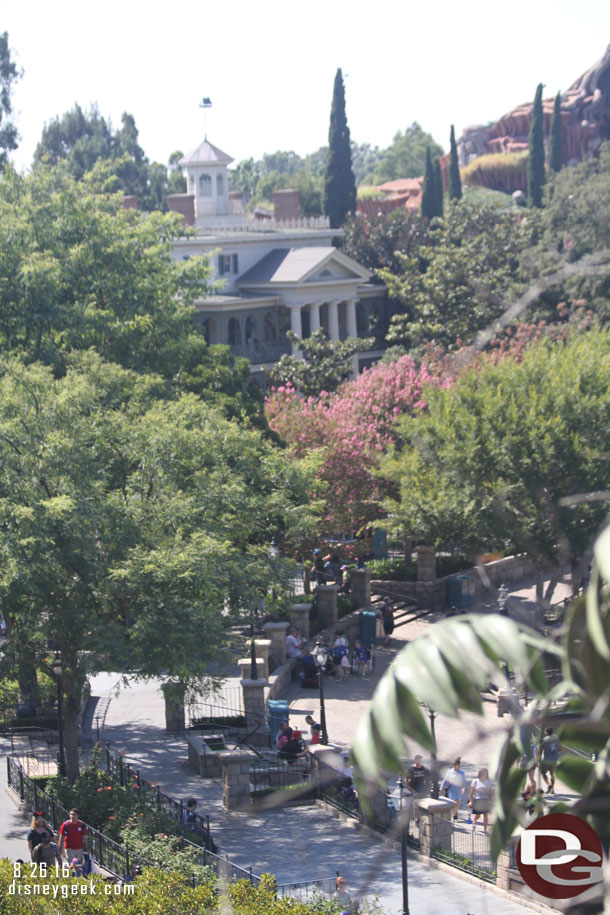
x: 278, y: 274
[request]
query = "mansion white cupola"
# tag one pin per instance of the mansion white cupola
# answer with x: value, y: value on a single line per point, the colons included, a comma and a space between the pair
x: 205, y: 169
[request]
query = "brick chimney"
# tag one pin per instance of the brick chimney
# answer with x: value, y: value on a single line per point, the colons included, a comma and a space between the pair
x: 286, y: 204
x: 183, y: 204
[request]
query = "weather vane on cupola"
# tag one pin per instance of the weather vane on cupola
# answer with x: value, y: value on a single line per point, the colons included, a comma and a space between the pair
x: 205, y: 103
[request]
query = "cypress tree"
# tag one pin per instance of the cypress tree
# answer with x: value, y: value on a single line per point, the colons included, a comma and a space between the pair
x: 455, y: 180
x: 339, y: 182
x: 535, y: 162
x: 428, y: 196
x: 555, y: 157
x: 438, y: 188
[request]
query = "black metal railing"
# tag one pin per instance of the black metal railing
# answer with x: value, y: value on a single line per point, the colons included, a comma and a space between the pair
x: 268, y: 775
x: 227, y: 703
x: 308, y: 889
x: 173, y: 810
x: 108, y: 854
x: 470, y: 851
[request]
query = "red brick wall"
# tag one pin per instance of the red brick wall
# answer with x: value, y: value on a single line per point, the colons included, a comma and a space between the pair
x: 183, y: 204
x: 286, y: 204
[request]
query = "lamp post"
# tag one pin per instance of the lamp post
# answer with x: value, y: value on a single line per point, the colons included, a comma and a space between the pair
x: 401, y: 801
x: 503, y: 600
x: 61, y: 756
x: 432, y: 717
x: 253, y: 668
x: 321, y: 656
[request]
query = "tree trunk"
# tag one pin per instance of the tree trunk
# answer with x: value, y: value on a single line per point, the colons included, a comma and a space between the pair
x: 306, y: 578
x: 29, y: 692
x: 539, y: 586
x: 71, y: 707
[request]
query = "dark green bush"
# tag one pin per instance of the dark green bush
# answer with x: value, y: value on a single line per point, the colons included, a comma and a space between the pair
x: 209, y: 723
x: 393, y: 569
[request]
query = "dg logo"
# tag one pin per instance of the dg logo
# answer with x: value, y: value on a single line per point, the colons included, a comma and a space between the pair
x: 560, y: 856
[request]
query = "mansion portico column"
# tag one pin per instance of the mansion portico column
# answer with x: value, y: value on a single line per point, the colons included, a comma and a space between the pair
x: 314, y: 318
x: 296, y: 327
x: 350, y: 314
x: 333, y: 320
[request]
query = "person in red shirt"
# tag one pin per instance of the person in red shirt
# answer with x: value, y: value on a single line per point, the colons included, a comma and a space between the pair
x: 73, y: 837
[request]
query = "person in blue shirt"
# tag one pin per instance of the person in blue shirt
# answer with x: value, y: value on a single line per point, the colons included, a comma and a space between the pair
x: 361, y: 657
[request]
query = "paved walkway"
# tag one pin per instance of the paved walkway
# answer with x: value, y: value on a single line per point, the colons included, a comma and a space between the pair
x: 14, y: 825
x: 301, y: 843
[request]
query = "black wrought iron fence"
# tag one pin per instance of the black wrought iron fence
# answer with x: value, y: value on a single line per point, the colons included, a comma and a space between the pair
x: 470, y: 851
x: 269, y: 775
x: 106, y: 853
x: 309, y: 889
x: 227, y: 703
x: 113, y: 857
x: 173, y: 810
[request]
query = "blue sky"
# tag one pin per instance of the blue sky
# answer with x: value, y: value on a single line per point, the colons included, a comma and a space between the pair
x: 269, y: 67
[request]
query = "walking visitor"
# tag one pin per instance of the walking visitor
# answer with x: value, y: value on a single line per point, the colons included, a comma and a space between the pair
x: 481, y: 797
x: 454, y: 785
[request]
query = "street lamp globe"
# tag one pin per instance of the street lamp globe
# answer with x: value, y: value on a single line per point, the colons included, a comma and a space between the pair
x: 321, y: 654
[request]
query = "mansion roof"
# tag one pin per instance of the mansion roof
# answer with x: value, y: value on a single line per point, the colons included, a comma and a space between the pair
x: 206, y: 154
x: 295, y: 265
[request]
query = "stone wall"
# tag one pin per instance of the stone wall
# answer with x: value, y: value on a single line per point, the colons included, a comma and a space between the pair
x: 434, y: 594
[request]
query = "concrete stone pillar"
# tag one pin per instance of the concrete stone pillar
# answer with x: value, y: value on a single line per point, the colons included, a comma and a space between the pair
x: 254, y: 708
x: 333, y: 320
x: 299, y: 617
x: 350, y: 314
x: 245, y: 668
x: 236, y: 778
x: 296, y: 326
x: 173, y: 694
x: 375, y: 810
x: 435, y: 824
x: 361, y: 587
x: 327, y: 604
x: 263, y: 647
x: 324, y: 766
x: 426, y: 563
x: 277, y: 632
x: 314, y: 318
x: 506, y: 863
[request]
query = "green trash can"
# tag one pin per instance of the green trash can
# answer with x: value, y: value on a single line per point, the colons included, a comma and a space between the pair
x: 461, y: 592
x: 368, y: 627
x: 455, y: 592
x: 278, y: 711
x: 466, y: 591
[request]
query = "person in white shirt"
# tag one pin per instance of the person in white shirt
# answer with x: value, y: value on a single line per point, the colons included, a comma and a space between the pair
x: 481, y: 797
x: 294, y: 644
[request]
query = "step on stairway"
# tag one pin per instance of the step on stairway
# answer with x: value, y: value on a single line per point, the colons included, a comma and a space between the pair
x: 405, y: 608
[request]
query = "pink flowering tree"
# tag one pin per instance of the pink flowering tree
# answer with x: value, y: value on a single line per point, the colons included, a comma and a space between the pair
x: 343, y: 435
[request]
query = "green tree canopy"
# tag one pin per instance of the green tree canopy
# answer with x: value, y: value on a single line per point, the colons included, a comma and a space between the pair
x: 406, y: 157
x: 323, y: 363
x: 497, y: 457
x: 339, y: 182
x: 81, y: 271
x: 82, y: 138
x: 8, y: 76
x: 447, y: 290
x: 455, y: 179
x: 375, y: 241
x: 130, y: 523
x: 535, y: 164
x: 555, y: 138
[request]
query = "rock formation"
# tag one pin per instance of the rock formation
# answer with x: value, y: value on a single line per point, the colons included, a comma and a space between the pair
x: 585, y: 118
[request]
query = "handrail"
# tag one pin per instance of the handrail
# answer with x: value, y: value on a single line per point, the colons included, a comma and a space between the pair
x: 105, y: 851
